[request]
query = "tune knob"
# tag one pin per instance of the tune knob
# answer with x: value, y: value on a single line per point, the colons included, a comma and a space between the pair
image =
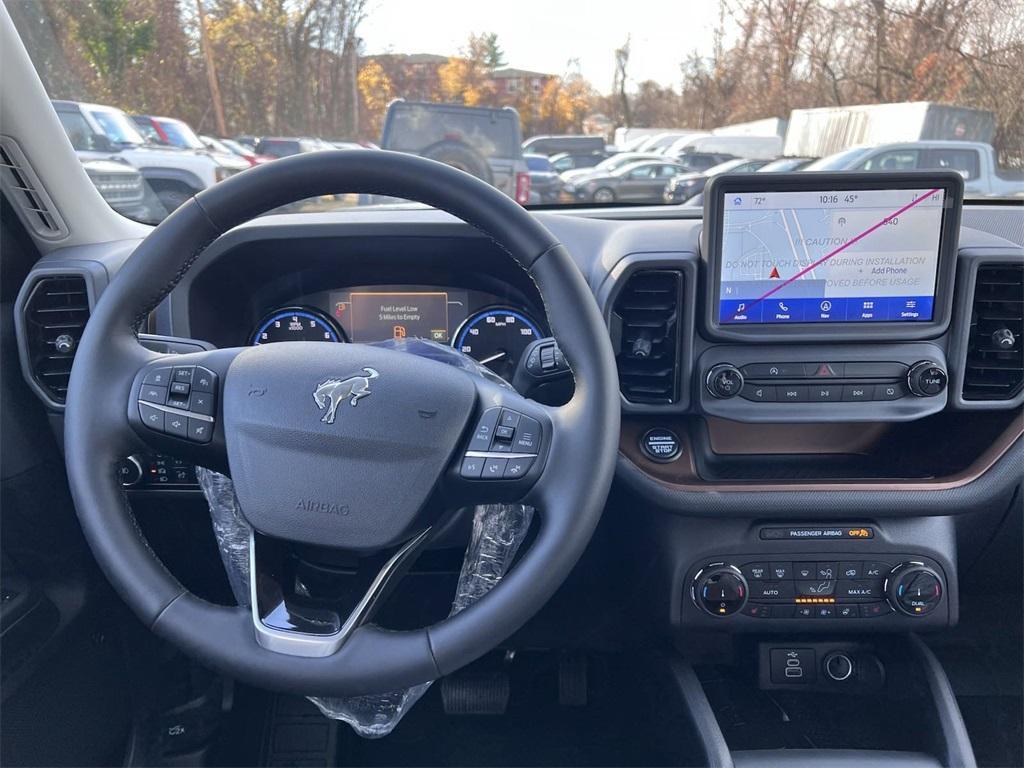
x: 926, y: 379
x: 724, y: 381
x: 719, y: 589
x: 914, y: 589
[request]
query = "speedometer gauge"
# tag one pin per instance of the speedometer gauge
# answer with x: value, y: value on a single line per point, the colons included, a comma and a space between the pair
x: 497, y: 338
x: 296, y: 324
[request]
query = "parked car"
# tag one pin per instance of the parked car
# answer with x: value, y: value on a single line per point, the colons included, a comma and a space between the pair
x: 100, y: 132
x: 786, y: 164
x: 682, y: 187
x: 124, y: 189
x: 701, y: 161
x: 233, y: 147
x: 975, y: 161
x: 570, y: 161
x: 286, y: 146
x: 608, y: 164
x: 545, y: 184
x: 178, y: 133
x: 574, y: 144
x: 483, y: 142
x: 640, y: 182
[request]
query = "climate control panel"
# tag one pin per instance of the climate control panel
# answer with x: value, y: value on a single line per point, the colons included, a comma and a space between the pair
x: 757, y: 592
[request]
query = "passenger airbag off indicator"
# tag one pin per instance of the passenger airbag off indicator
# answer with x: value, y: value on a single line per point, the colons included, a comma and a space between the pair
x: 660, y: 445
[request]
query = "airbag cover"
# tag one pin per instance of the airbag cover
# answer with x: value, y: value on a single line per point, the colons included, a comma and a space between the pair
x: 340, y: 444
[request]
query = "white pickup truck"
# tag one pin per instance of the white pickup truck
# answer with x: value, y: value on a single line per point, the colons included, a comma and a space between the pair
x: 100, y: 132
x: 975, y: 161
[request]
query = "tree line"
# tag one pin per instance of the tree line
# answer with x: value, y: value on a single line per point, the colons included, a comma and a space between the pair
x: 296, y: 66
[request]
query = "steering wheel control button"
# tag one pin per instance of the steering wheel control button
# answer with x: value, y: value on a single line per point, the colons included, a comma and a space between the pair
x: 202, y: 402
x: 183, y: 374
x: 660, y: 445
x: 204, y: 380
x: 176, y: 424
x: 472, y: 467
x: 200, y: 431
x: 152, y: 417
x: 724, y: 381
x: 494, y: 469
x: 483, y: 434
x: 509, y: 419
x: 528, y: 436
x: 152, y: 393
x: 504, y: 433
x: 516, y: 468
x: 796, y: 666
x: 720, y: 590
x: 161, y: 377
x: 180, y: 388
x: 926, y: 379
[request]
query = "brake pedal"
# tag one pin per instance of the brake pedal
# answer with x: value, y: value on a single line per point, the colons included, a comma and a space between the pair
x: 475, y: 695
x: 572, y: 680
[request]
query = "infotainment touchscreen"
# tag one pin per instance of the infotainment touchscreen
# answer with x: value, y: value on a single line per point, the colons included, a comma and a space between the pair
x: 829, y: 255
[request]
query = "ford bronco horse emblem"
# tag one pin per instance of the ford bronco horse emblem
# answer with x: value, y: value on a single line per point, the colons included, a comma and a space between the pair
x: 330, y: 392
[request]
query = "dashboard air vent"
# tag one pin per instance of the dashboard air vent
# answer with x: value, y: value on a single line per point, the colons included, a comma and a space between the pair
x: 645, y: 320
x: 994, y: 369
x: 27, y: 194
x: 55, y: 316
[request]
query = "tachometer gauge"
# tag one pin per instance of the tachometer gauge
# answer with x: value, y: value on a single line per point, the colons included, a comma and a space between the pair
x: 296, y: 324
x: 497, y: 338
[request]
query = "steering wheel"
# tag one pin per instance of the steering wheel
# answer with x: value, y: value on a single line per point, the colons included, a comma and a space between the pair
x: 339, y: 445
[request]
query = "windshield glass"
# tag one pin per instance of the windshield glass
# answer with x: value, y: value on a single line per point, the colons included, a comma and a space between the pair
x: 117, y: 127
x: 887, y: 85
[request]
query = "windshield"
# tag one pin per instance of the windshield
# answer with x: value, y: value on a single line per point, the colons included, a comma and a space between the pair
x: 841, y: 85
x: 118, y: 128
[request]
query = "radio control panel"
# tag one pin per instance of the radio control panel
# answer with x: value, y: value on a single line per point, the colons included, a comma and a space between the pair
x: 894, y: 382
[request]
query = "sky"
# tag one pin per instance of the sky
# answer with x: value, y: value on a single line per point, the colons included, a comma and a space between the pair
x: 544, y: 36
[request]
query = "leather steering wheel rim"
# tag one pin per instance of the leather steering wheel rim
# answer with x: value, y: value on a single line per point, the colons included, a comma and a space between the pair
x: 98, y: 436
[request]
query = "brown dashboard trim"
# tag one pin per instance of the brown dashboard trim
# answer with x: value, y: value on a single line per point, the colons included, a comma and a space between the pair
x: 682, y: 474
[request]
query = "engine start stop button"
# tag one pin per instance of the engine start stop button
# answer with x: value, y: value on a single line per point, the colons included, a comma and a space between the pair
x: 661, y: 445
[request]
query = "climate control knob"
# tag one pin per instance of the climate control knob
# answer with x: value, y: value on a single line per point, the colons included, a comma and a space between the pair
x: 719, y: 589
x: 926, y: 379
x: 914, y: 589
x: 724, y: 381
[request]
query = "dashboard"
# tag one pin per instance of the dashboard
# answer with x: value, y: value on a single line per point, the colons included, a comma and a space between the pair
x: 866, y: 396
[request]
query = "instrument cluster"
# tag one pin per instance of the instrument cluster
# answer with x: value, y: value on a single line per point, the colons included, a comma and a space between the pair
x: 484, y: 326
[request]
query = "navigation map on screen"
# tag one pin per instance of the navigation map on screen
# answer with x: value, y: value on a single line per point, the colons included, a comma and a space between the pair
x: 830, y: 256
